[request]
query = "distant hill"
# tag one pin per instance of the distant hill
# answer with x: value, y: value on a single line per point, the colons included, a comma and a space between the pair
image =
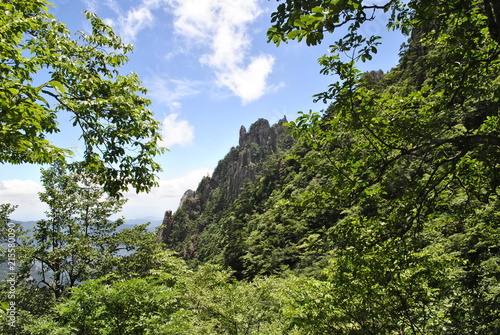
x: 129, y: 223
x: 154, y: 222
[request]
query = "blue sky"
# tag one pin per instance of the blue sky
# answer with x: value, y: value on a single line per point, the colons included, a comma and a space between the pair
x: 209, y: 70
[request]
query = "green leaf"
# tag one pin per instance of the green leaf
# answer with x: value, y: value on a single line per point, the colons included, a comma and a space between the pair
x: 57, y: 85
x: 295, y: 34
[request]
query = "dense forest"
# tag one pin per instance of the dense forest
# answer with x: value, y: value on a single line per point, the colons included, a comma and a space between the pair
x: 378, y: 215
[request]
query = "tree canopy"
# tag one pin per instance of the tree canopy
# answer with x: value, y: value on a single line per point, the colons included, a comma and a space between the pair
x: 45, y: 72
x: 77, y: 240
x: 392, y: 190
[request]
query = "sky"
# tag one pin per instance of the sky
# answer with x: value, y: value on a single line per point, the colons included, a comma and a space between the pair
x: 209, y: 70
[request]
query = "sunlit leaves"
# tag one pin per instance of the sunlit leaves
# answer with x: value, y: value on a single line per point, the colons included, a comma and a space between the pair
x: 412, y: 164
x: 140, y: 305
x: 120, y: 134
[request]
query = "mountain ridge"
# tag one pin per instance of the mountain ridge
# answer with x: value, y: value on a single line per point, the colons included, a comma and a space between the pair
x: 215, y: 194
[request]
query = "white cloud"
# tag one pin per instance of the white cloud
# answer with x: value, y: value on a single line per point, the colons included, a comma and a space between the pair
x: 24, y: 194
x: 131, y: 23
x: 164, y: 197
x: 128, y: 23
x: 136, y: 20
x: 177, y: 132
x: 223, y: 26
x: 170, y: 90
x: 94, y: 5
x: 175, y: 106
x: 250, y: 83
x: 91, y: 5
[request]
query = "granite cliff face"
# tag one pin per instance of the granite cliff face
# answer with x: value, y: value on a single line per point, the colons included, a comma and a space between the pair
x: 255, y: 146
x: 204, y: 207
x: 166, y: 227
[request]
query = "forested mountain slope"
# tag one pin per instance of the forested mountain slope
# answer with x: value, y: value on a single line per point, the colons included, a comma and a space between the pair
x: 391, y: 195
x: 202, y: 227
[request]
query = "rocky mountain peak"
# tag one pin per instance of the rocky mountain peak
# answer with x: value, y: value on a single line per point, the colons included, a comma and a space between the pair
x: 241, y: 165
x: 260, y: 133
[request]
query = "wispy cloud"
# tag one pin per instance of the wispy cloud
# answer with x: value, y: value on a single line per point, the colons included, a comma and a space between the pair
x: 169, y: 90
x: 248, y: 83
x: 91, y: 5
x: 136, y: 20
x: 178, y: 132
x: 94, y: 5
x: 129, y: 24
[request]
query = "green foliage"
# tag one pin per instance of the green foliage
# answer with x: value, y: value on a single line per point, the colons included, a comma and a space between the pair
x: 221, y: 305
x: 382, y: 218
x: 5, y: 211
x: 392, y: 190
x: 410, y: 164
x: 31, y: 305
x: 77, y: 241
x: 134, y: 306
x: 173, y: 301
x: 79, y: 76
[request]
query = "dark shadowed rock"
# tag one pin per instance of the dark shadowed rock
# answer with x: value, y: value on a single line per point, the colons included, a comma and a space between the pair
x: 166, y: 228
